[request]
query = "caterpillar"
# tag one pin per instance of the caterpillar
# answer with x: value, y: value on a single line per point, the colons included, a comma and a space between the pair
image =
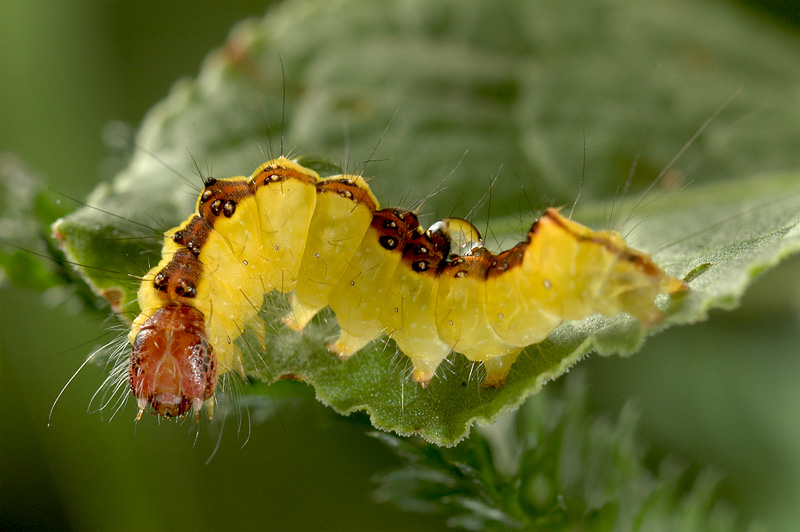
x: 326, y: 242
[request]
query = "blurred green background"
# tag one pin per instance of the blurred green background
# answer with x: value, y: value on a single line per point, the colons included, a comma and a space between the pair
x: 712, y: 394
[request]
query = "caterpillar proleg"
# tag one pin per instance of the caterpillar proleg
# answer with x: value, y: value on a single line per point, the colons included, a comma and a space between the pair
x: 327, y: 242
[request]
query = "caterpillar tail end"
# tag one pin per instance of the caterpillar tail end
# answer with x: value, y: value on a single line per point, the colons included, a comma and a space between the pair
x: 673, y: 285
x: 641, y: 305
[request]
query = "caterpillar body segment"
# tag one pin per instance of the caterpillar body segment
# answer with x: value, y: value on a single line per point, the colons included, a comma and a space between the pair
x: 327, y: 242
x: 409, y: 312
x: 342, y: 215
x: 462, y: 318
x: 357, y: 299
x: 285, y: 199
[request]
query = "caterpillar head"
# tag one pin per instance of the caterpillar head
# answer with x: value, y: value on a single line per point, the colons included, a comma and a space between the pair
x: 173, y: 367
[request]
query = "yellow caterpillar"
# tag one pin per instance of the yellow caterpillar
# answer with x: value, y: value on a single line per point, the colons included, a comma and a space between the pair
x: 327, y: 242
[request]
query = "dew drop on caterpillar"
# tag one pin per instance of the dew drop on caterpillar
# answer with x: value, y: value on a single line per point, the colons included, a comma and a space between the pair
x: 327, y: 242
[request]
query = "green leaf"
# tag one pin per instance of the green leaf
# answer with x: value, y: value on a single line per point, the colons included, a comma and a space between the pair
x: 550, y: 466
x: 526, y: 95
x: 21, y: 225
x: 28, y: 258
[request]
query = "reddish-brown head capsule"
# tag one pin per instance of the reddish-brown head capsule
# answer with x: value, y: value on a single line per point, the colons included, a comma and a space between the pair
x: 173, y: 367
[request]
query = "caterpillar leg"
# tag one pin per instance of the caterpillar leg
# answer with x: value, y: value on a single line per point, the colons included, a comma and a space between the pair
x: 424, y: 369
x: 347, y: 344
x: 209, y: 404
x: 497, y: 369
x: 424, y: 348
x: 300, y: 314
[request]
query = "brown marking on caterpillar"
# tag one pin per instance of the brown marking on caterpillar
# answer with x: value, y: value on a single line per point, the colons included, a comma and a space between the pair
x: 348, y: 189
x: 426, y: 252
x: 275, y: 173
x: 220, y: 198
x: 507, y: 260
x: 179, y: 279
x: 394, y: 227
x: 193, y: 237
x: 475, y: 265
